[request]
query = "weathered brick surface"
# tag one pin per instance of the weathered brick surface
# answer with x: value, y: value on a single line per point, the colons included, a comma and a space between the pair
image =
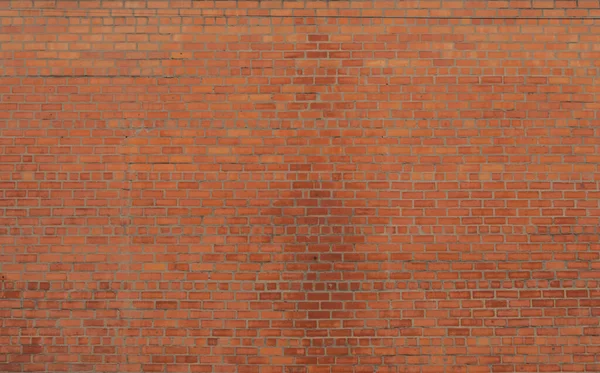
x: 299, y: 187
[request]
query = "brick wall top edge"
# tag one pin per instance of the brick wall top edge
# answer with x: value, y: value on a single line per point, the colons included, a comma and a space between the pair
x: 446, y: 7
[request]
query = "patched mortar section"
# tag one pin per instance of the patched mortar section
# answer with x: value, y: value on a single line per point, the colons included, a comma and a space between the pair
x: 337, y: 220
x: 332, y: 244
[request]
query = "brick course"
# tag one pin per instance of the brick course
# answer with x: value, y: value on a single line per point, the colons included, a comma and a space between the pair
x: 299, y: 187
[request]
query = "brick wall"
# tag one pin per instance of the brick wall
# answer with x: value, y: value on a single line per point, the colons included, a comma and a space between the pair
x: 299, y: 187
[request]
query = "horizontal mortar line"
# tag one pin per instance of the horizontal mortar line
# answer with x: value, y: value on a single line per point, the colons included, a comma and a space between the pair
x: 177, y: 76
x: 134, y: 13
x: 98, y: 76
x: 311, y: 76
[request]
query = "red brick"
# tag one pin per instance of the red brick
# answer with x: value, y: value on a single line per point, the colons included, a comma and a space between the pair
x: 295, y: 187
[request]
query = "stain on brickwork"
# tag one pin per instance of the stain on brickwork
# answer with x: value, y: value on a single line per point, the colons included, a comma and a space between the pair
x: 299, y: 187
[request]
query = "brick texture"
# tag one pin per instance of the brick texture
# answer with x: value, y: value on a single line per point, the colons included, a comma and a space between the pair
x: 300, y: 187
